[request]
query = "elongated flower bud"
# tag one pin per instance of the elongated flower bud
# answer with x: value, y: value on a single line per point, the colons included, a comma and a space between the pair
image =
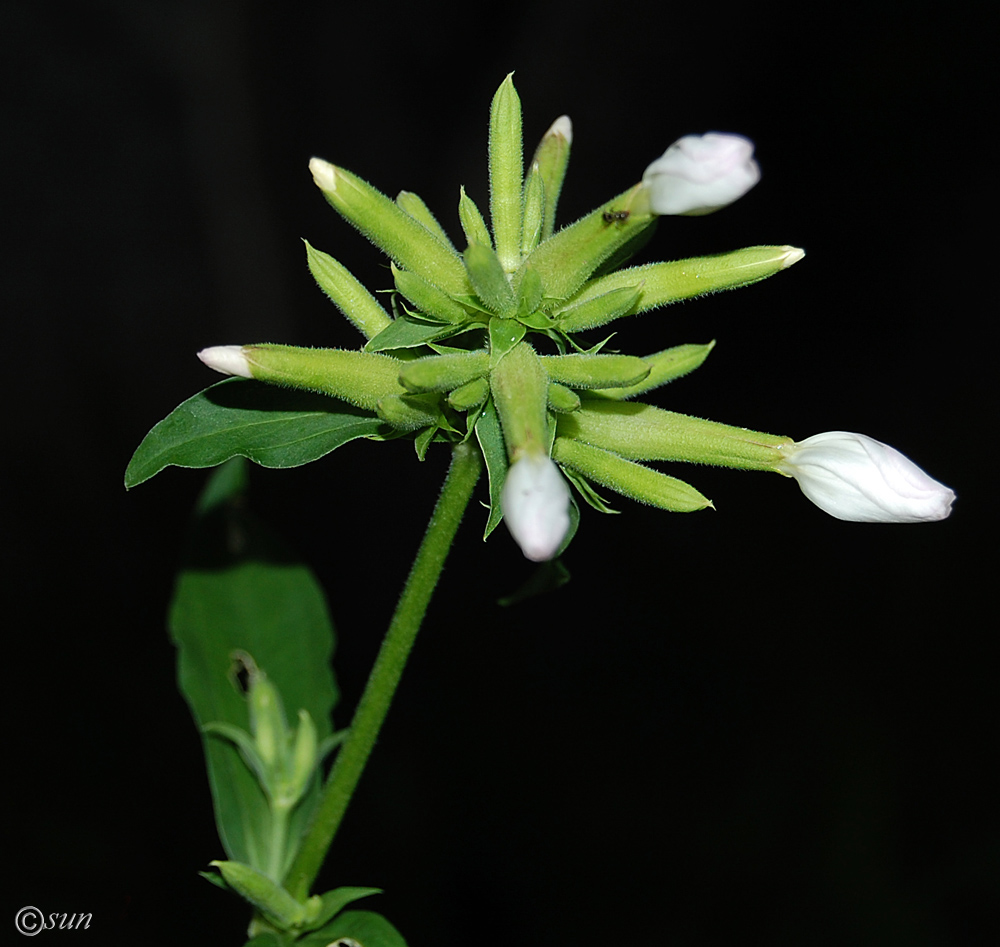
x: 856, y: 478
x: 535, y: 504
x: 699, y: 174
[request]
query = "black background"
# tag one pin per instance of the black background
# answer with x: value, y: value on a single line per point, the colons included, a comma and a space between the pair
x: 758, y: 725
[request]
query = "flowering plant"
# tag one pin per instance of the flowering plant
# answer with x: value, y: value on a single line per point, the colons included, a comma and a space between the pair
x: 484, y: 351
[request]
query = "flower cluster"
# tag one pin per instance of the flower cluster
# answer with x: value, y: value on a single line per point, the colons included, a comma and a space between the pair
x: 486, y: 342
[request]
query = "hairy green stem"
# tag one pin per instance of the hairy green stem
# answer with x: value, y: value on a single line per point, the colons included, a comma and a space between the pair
x: 388, y: 669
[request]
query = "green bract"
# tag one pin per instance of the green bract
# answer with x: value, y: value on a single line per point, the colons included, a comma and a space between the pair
x: 486, y: 340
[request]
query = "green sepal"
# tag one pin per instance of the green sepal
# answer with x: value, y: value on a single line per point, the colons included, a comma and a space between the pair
x: 444, y: 372
x: 470, y: 395
x: 473, y: 224
x: 519, y: 386
x: 664, y: 367
x: 267, y: 896
x: 568, y: 258
x: 432, y: 301
x: 488, y: 278
x: 504, y: 335
x: 413, y: 205
x: 273, y: 427
x: 410, y: 412
x: 562, y: 399
x: 551, y: 157
x: 598, y: 310
x: 629, y: 478
x: 587, y: 491
x: 506, y: 171
x: 491, y: 443
x: 664, y: 283
x: 643, y: 432
x: 409, y: 332
x: 346, y: 293
x: 582, y: 370
x: 534, y: 210
x: 401, y: 237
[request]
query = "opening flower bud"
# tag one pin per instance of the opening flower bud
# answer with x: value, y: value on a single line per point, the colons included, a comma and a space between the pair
x: 856, y: 478
x: 699, y: 174
x: 535, y: 504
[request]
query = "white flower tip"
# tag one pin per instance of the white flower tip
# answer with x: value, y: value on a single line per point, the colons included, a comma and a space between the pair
x: 323, y: 174
x: 854, y: 477
x: 790, y: 256
x: 699, y: 174
x: 562, y: 126
x: 227, y: 359
x: 535, y: 504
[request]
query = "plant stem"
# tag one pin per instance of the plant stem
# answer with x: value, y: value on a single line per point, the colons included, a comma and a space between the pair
x: 388, y: 669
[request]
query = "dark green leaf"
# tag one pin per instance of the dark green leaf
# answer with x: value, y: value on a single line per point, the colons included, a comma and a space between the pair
x: 406, y: 332
x: 365, y: 927
x: 490, y: 438
x: 272, y: 426
x: 336, y: 900
x: 240, y: 589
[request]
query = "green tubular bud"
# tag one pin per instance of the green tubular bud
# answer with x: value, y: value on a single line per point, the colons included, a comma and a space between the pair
x: 267, y: 720
x: 529, y: 294
x: 360, y: 378
x: 551, y: 158
x: 346, y: 293
x: 642, y: 432
x: 266, y: 895
x: 562, y: 399
x: 470, y: 395
x: 472, y: 221
x: 488, y: 278
x: 304, y: 760
x: 520, y: 392
x: 389, y: 227
x: 534, y: 210
x: 409, y: 412
x: 428, y: 298
x: 584, y: 370
x: 664, y: 283
x: 413, y: 205
x: 628, y: 478
x: 506, y: 172
x: 444, y: 372
x: 664, y: 367
x: 567, y: 258
x: 599, y: 310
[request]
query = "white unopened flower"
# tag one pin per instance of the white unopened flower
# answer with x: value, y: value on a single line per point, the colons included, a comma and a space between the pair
x: 226, y: 359
x: 535, y: 504
x: 854, y: 477
x: 699, y: 174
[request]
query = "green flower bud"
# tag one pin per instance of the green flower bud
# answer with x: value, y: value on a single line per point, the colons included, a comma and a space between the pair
x: 267, y: 720
x: 444, y: 372
x: 490, y: 282
x: 419, y: 211
x: 470, y: 395
x: 628, y: 478
x: 599, y: 310
x: 664, y: 367
x: 267, y: 896
x: 409, y: 412
x: 642, y: 432
x: 562, y: 399
x: 585, y: 370
x: 346, y: 293
x: 520, y: 393
x: 506, y: 171
x: 472, y: 221
x: 534, y: 210
x: 663, y: 283
x: 551, y: 158
x: 432, y: 301
x: 395, y: 232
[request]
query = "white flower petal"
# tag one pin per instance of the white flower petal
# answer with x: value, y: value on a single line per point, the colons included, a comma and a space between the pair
x: 854, y: 477
x: 535, y: 504
x: 699, y: 174
x: 227, y: 359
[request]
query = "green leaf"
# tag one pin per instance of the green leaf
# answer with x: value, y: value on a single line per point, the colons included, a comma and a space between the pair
x: 491, y: 441
x: 406, y: 332
x: 363, y: 927
x: 272, y: 426
x: 241, y: 590
x: 336, y: 900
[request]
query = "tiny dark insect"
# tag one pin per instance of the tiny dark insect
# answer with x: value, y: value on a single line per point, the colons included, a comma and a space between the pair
x: 610, y: 216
